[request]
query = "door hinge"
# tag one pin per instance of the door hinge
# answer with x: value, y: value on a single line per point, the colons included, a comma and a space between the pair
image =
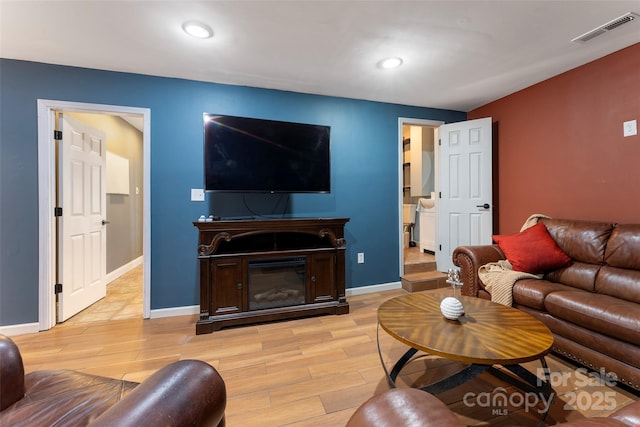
x: 439, y: 247
x: 57, y: 288
x: 57, y: 211
x: 439, y: 141
x: 439, y: 194
x: 57, y: 135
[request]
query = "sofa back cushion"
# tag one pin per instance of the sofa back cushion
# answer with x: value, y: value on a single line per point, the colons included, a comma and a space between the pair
x: 620, y: 276
x: 579, y: 275
x: 585, y: 243
x: 623, y: 248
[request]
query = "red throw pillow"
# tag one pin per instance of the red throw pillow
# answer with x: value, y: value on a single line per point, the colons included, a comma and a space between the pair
x: 532, y: 250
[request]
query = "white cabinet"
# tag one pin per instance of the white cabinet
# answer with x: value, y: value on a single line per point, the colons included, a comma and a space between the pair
x: 427, y: 231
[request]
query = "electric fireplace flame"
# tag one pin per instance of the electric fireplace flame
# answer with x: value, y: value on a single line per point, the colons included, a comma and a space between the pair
x: 278, y: 282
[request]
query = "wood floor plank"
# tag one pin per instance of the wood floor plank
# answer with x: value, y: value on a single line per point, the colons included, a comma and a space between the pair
x: 309, y: 388
x: 280, y: 415
x: 301, y: 360
x: 255, y: 401
x: 268, y: 381
x: 346, y: 398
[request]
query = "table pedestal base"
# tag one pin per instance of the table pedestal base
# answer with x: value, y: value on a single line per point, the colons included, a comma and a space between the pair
x: 521, y: 378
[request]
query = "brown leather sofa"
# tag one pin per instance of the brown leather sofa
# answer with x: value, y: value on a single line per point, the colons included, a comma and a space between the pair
x: 184, y: 393
x: 592, y: 306
x: 407, y: 407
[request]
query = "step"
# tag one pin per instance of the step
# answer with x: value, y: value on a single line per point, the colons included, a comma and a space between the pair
x: 419, y: 267
x: 429, y: 280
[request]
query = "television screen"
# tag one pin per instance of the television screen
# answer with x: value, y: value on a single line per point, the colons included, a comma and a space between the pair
x: 254, y: 155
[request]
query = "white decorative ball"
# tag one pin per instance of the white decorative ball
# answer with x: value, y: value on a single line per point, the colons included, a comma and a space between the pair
x: 451, y: 308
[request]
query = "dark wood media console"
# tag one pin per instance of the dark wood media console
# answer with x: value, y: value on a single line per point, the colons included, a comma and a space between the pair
x: 234, y: 255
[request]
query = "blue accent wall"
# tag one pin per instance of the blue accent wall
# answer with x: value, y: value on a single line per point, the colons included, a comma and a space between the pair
x: 364, y: 156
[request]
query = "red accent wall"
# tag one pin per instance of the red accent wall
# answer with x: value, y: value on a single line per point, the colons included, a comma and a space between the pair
x: 561, y: 151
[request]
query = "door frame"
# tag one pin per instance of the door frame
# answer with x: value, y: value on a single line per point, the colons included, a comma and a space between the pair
x: 405, y: 121
x: 47, y: 249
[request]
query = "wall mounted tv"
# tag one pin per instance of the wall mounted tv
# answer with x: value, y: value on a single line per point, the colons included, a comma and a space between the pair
x: 254, y: 155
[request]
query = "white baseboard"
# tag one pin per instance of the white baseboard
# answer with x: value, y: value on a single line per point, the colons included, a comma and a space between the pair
x: 113, y: 275
x: 195, y: 309
x: 30, y: 328
x: 373, y: 288
x: 175, y: 311
x: 21, y: 329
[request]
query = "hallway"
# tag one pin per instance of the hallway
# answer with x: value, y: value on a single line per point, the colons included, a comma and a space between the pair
x: 123, y: 301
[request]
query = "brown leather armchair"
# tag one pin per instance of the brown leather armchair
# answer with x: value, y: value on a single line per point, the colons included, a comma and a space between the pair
x: 183, y: 393
x: 410, y: 407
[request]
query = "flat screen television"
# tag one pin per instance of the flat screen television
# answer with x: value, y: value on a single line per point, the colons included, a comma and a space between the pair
x: 254, y: 155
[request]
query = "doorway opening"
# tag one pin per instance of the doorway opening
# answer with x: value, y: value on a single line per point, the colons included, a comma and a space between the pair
x: 48, y: 111
x: 417, y: 177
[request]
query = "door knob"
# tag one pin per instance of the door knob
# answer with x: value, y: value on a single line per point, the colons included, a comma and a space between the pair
x: 485, y: 206
x: 105, y: 222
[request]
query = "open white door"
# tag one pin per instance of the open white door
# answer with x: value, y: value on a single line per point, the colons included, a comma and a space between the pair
x: 465, y: 211
x: 82, y: 239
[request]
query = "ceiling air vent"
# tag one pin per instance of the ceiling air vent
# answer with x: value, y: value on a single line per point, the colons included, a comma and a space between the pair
x: 611, y: 25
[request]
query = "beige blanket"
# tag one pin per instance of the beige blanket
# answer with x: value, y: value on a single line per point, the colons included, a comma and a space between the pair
x: 499, y: 277
x: 532, y: 220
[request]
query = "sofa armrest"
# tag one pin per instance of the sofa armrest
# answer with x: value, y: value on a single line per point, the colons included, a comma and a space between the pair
x: 11, y: 373
x: 186, y: 392
x: 470, y: 259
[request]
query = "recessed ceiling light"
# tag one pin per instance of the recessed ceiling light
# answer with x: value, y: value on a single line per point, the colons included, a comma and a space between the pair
x: 390, y: 63
x: 197, y: 29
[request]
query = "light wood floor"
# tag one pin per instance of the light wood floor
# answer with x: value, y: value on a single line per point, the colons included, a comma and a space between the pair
x: 306, y: 372
x: 123, y: 301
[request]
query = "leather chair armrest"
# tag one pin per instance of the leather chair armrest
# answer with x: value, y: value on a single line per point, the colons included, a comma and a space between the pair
x: 628, y: 414
x: 11, y: 373
x: 186, y: 392
x: 404, y: 407
x: 470, y: 259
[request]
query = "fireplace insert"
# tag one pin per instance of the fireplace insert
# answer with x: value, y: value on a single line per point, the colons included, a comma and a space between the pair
x: 277, y: 282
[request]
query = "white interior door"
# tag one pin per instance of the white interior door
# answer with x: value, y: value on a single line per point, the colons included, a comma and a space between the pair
x: 82, y: 239
x: 465, y: 211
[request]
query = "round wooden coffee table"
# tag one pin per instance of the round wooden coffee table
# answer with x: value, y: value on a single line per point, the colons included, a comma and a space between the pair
x: 488, y: 334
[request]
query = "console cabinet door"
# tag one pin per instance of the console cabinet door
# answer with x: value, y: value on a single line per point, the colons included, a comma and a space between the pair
x: 227, y: 290
x: 322, y: 277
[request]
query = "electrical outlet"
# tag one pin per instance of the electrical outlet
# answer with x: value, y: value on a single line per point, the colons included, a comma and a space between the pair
x: 630, y: 128
x: 360, y: 257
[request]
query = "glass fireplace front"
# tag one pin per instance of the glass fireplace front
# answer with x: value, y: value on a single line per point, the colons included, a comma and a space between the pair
x: 278, y: 282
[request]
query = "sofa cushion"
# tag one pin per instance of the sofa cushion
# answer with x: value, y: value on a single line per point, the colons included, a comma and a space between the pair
x: 620, y: 277
x: 601, y: 313
x: 583, y: 241
x: 531, y: 292
x: 61, y: 397
x: 532, y: 250
x: 619, y: 283
x: 612, y: 347
x: 577, y: 275
x: 623, y: 248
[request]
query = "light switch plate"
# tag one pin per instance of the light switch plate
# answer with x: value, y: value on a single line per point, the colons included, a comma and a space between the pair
x: 630, y: 128
x: 197, y: 195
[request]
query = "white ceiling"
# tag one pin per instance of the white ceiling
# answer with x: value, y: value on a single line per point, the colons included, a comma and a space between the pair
x: 457, y: 54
